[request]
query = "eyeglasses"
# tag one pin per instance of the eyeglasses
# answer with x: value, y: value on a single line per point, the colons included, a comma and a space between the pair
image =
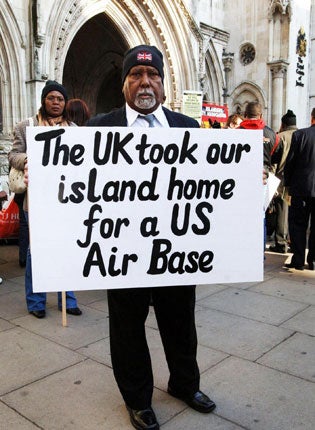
x: 52, y: 99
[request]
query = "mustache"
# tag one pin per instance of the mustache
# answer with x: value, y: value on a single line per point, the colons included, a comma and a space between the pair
x: 145, y: 93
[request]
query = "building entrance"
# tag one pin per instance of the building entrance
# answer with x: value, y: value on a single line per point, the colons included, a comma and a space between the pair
x: 92, y: 69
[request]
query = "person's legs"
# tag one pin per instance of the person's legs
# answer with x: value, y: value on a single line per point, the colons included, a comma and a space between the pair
x: 311, y: 238
x: 128, y: 310
x: 23, y: 238
x: 175, y: 312
x: 71, y: 301
x: 34, y: 301
x: 281, y: 230
x: 298, y: 223
x: 23, y: 230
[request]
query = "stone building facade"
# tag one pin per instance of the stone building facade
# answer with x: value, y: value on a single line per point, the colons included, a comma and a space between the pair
x: 233, y: 52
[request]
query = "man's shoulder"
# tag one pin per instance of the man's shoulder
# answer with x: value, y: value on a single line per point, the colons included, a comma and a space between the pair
x: 307, y: 132
x: 177, y: 119
x: 288, y: 132
x: 269, y: 130
x: 115, y: 117
x: 310, y: 129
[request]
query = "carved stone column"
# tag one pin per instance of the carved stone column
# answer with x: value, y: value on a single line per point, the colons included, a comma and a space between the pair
x: 278, y: 72
x: 35, y: 82
x: 227, y: 60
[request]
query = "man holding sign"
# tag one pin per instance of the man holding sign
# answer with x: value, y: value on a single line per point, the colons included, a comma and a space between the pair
x: 174, y: 306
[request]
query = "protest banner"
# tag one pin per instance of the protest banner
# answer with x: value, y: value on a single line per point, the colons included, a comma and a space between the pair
x: 131, y: 207
x: 192, y: 104
x: 213, y: 112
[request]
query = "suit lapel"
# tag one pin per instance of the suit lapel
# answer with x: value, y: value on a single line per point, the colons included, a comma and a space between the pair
x: 169, y: 117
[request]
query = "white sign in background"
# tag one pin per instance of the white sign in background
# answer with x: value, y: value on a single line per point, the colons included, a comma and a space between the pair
x: 128, y: 207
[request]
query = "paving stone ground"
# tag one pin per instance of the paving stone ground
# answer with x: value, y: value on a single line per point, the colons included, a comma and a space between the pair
x: 256, y: 356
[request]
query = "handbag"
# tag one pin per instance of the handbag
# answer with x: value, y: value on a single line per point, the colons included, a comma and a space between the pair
x: 16, y: 177
x: 9, y: 221
x: 16, y: 181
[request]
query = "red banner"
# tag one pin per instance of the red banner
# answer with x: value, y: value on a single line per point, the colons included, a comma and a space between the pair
x: 214, y: 112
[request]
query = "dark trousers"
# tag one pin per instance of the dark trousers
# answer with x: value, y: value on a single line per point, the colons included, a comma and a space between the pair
x: 281, y: 227
x: 175, y: 313
x: 302, y: 216
x: 23, y: 230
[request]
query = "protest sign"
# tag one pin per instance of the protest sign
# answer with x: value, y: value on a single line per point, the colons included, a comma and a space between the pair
x: 192, y: 104
x: 132, y: 207
x: 213, y: 112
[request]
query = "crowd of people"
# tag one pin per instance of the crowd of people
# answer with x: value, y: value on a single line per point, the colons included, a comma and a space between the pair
x: 289, y: 154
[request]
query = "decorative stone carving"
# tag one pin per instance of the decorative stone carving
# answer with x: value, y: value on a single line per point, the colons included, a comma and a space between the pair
x: 247, y: 54
x: 278, y: 68
x: 282, y: 6
x: 227, y: 60
x: 38, y: 32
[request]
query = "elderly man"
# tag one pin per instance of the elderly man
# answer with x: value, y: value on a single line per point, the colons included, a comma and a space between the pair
x: 174, y: 306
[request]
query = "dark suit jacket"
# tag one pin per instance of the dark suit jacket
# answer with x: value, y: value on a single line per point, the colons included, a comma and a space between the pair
x: 118, y: 118
x: 299, y: 170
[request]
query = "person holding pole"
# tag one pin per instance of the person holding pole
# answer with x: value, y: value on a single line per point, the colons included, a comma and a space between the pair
x: 174, y: 306
x: 51, y: 113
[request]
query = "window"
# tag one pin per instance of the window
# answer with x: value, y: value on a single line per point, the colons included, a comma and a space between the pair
x: 247, y: 54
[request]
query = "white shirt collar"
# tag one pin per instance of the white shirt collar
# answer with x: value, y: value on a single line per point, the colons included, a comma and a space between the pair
x: 134, y: 121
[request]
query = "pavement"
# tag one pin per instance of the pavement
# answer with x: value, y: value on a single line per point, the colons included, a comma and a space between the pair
x: 256, y: 356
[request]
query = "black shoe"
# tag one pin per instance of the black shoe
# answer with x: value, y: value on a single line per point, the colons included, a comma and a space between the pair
x: 293, y: 266
x: 198, y: 401
x: 277, y: 248
x: 143, y: 419
x: 39, y: 314
x: 74, y: 311
x: 311, y: 265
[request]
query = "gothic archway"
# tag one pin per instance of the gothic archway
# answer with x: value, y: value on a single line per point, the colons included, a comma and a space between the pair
x: 12, y: 76
x: 169, y: 27
x: 243, y: 94
x: 92, y: 71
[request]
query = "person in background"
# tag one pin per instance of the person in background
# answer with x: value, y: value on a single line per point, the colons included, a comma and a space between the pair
x: 51, y: 113
x: 280, y: 201
x: 234, y: 121
x: 253, y: 120
x: 299, y: 177
x: 214, y: 123
x: 174, y: 306
x: 3, y: 195
x: 23, y: 230
x: 77, y: 111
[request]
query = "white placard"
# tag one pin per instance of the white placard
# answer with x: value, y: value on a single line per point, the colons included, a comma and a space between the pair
x: 131, y: 207
x: 271, y: 188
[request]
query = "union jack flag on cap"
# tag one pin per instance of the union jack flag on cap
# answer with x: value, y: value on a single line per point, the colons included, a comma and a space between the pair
x: 144, y: 56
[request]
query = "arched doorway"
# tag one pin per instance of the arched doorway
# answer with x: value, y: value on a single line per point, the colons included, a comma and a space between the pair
x: 243, y: 94
x: 92, y: 69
